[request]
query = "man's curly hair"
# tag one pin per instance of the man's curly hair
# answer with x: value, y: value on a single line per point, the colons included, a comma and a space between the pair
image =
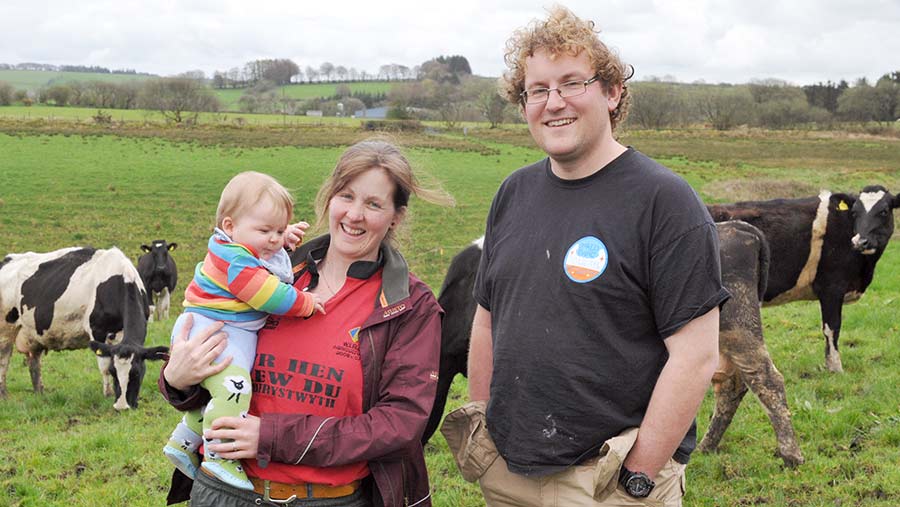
x: 564, y: 32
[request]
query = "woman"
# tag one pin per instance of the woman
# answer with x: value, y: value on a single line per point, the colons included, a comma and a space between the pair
x: 340, y: 400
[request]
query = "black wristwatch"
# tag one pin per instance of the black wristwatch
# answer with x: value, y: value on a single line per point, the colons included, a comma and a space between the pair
x: 636, y: 484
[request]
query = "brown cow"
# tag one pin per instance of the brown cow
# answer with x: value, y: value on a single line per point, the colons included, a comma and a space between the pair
x: 744, y: 361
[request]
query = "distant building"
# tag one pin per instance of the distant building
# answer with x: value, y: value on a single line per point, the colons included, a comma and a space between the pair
x: 375, y: 112
x: 313, y: 112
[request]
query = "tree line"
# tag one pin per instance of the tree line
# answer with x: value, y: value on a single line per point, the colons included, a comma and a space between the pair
x: 177, y: 98
x: 264, y: 97
x: 283, y: 71
x: 46, y: 67
x: 764, y: 103
x: 445, y: 90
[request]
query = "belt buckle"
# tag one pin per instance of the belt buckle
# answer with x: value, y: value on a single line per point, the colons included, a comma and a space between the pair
x: 267, y: 498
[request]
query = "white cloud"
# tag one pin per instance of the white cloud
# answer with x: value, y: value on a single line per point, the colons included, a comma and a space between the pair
x: 802, y: 41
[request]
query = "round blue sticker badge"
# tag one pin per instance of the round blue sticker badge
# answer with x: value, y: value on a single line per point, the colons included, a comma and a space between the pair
x: 586, y: 259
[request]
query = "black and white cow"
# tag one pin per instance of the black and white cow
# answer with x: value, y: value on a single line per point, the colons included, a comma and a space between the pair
x: 68, y: 298
x: 823, y: 248
x: 159, y: 274
x: 744, y: 360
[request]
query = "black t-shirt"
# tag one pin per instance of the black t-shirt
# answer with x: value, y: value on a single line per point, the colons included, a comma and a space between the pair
x: 584, y: 280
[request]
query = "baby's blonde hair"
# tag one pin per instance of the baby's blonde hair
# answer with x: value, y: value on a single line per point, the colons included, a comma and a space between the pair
x: 247, y: 189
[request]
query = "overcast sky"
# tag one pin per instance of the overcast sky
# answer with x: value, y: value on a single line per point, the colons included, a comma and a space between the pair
x: 800, y: 41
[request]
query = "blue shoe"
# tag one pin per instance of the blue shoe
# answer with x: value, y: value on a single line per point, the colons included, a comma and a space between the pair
x: 237, y: 478
x: 185, y: 461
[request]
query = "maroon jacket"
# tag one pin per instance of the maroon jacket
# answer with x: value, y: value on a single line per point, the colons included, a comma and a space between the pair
x: 399, y: 351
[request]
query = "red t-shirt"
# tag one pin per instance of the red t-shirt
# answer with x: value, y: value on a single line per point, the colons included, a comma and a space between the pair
x: 312, y: 366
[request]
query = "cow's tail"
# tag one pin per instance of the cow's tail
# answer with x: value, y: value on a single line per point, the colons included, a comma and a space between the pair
x: 764, y: 261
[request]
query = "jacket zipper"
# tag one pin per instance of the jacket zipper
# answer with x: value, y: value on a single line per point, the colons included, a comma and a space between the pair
x: 403, y: 483
x: 374, y: 388
x: 388, y: 477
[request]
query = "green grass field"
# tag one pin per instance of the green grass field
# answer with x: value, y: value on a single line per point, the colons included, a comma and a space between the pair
x: 34, y: 80
x: 86, y: 114
x: 103, y: 188
x: 306, y: 91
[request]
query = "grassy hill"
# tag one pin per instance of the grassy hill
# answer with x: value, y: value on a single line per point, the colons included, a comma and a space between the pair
x: 33, y: 80
x: 305, y: 91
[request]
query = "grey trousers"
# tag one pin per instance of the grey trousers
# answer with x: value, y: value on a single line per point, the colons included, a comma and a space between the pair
x: 209, y: 492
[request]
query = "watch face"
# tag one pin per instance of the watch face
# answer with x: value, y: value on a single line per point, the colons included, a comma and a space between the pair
x: 638, y: 485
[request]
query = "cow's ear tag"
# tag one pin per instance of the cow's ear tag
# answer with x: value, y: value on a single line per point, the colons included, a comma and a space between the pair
x: 842, y: 206
x: 98, y: 352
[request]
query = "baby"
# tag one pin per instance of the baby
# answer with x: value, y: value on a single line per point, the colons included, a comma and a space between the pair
x: 245, y: 276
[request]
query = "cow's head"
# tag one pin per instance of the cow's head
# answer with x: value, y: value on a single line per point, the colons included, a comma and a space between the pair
x: 127, y: 368
x: 873, y: 219
x: 159, y: 251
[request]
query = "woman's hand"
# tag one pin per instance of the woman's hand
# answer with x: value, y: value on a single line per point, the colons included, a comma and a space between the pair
x: 191, y: 361
x: 293, y: 235
x: 243, y: 433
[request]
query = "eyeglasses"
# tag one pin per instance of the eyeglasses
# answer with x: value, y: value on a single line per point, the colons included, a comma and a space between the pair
x: 565, y: 90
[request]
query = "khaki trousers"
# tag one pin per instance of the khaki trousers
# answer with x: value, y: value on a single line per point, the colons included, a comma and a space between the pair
x: 593, y: 483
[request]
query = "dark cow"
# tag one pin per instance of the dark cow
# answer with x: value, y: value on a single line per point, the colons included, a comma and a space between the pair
x: 68, y: 298
x: 456, y: 327
x: 159, y: 274
x: 744, y: 360
x: 823, y: 248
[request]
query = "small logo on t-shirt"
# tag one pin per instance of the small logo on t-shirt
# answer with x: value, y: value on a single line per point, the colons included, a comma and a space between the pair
x: 272, y: 321
x: 354, y: 334
x: 586, y: 259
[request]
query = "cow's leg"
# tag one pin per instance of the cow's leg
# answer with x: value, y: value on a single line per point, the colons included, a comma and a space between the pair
x: 162, y: 305
x: 34, y: 367
x: 767, y: 383
x: 6, y: 349
x: 831, y: 327
x: 729, y: 390
x: 154, y: 307
x: 104, y: 363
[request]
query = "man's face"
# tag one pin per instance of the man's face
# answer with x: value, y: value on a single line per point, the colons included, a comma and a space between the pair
x: 570, y: 129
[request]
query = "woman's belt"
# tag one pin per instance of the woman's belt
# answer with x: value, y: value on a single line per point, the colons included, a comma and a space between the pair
x: 272, y: 490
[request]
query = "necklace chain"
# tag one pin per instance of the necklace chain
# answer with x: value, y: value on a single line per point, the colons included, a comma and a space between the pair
x: 325, y: 279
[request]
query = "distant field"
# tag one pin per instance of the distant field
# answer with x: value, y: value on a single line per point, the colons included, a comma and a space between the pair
x: 305, y: 91
x: 69, y: 447
x: 85, y: 114
x: 313, y: 90
x: 33, y: 79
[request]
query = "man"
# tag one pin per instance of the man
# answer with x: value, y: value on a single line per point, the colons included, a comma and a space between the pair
x: 596, y: 332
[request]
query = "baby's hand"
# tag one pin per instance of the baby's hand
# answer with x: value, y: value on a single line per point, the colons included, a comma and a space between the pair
x: 293, y: 235
x: 319, y: 304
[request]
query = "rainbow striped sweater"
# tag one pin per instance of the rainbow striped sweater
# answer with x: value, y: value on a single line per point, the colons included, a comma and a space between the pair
x: 232, y: 285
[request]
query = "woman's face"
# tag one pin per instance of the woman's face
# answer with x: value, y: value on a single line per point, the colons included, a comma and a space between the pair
x: 361, y: 214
